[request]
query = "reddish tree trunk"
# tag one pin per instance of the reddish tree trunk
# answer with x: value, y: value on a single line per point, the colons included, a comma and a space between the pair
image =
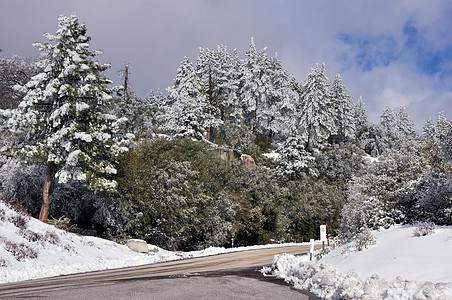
x: 208, y: 133
x: 47, y: 192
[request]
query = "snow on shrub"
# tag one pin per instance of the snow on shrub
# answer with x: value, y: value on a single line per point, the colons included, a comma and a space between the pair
x: 424, y: 228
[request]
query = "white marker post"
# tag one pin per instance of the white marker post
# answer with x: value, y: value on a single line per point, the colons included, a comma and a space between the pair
x: 323, y: 236
x: 311, y: 248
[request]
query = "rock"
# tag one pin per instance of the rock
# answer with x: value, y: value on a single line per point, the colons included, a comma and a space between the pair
x: 228, y: 154
x: 138, y: 245
x: 248, y: 161
x: 154, y: 250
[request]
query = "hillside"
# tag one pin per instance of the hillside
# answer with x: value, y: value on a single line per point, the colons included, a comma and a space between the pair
x: 30, y: 249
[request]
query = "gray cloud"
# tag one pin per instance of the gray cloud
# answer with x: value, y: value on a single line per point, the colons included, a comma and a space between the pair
x: 154, y: 36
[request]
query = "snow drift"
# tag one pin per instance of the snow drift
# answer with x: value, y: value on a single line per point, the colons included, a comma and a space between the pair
x: 400, y: 266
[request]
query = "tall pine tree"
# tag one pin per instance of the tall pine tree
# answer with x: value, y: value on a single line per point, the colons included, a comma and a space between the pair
x: 316, y: 116
x: 188, y: 112
x: 361, y: 120
x: 62, y: 116
x: 344, y: 112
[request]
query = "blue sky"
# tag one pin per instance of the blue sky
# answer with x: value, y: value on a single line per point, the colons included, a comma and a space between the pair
x: 388, y: 52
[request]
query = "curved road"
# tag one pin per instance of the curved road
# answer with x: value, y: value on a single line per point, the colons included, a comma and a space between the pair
x: 226, y: 276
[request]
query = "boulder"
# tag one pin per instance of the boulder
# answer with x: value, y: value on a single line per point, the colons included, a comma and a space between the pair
x: 228, y: 154
x: 248, y: 161
x: 138, y: 245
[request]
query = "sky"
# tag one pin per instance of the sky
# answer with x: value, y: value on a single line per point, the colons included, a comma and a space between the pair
x: 389, y: 52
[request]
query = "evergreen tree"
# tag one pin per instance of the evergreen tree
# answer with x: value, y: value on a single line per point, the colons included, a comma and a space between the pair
x: 137, y: 110
x: 388, y: 121
x: 294, y: 161
x: 361, y: 120
x: 405, y: 126
x: 280, y: 112
x: 62, y: 114
x: 155, y: 116
x: 188, y: 112
x: 344, y: 113
x: 429, y: 129
x: 316, y: 117
x: 14, y: 71
x: 219, y: 80
x: 254, y: 88
x: 444, y: 134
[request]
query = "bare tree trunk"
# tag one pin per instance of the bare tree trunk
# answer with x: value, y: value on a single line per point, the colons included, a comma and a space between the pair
x: 47, y: 192
x: 208, y: 133
x: 126, y: 81
x: 271, y: 135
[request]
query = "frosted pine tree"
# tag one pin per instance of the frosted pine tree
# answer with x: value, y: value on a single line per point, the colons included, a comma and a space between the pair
x: 138, y: 111
x: 361, y: 120
x: 217, y: 73
x: 294, y: 160
x: 188, y: 112
x: 429, y: 129
x: 267, y: 94
x: 316, y: 116
x: 444, y: 135
x: 254, y: 87
x: 388, y: 121
x: 62, y: 118
x: 344, y: 112
x: 279, y: 113
x: 405, y: 126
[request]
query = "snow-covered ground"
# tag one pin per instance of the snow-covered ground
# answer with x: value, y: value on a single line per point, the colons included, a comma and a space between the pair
x: 30, y: 249
x: 399, y: 266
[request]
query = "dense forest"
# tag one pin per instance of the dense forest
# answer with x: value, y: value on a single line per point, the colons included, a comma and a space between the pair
x: 98, y: 159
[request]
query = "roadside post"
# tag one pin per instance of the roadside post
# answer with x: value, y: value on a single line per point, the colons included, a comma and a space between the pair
x: 327, y: 235
x: 311, y: 248
x: 323, y: 238
x: 232, y: 243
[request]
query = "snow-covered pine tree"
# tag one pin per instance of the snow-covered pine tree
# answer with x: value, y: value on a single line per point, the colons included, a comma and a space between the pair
x: 62, y: 115
x: 361, y: 120
x: 279, y: 113
x: 428, y: 130
x: 155, y: 102
x: 138, y: 111
x: 254, y: 87
x: 294, y: 160
x: 405, y: 126
x: 316, y: 117
x: 388, y: 121
x: 444, y: 135
x: 438, y: 142
x: 344, y: 110
x: 14, y: 70
x: 217, y: 73
x: 188, y: 112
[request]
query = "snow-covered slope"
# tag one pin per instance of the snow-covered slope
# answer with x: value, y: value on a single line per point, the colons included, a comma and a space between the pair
x: 400, y: 266
x: 399, y: 252
x: 30, y: 249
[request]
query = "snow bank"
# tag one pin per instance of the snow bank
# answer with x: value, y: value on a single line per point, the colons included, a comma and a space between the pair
x: 30, y: 249
x: 399, y: 266
x: 399, y: 252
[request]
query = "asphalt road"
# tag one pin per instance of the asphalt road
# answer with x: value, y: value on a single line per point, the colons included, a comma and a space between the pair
x: 225, y: 276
